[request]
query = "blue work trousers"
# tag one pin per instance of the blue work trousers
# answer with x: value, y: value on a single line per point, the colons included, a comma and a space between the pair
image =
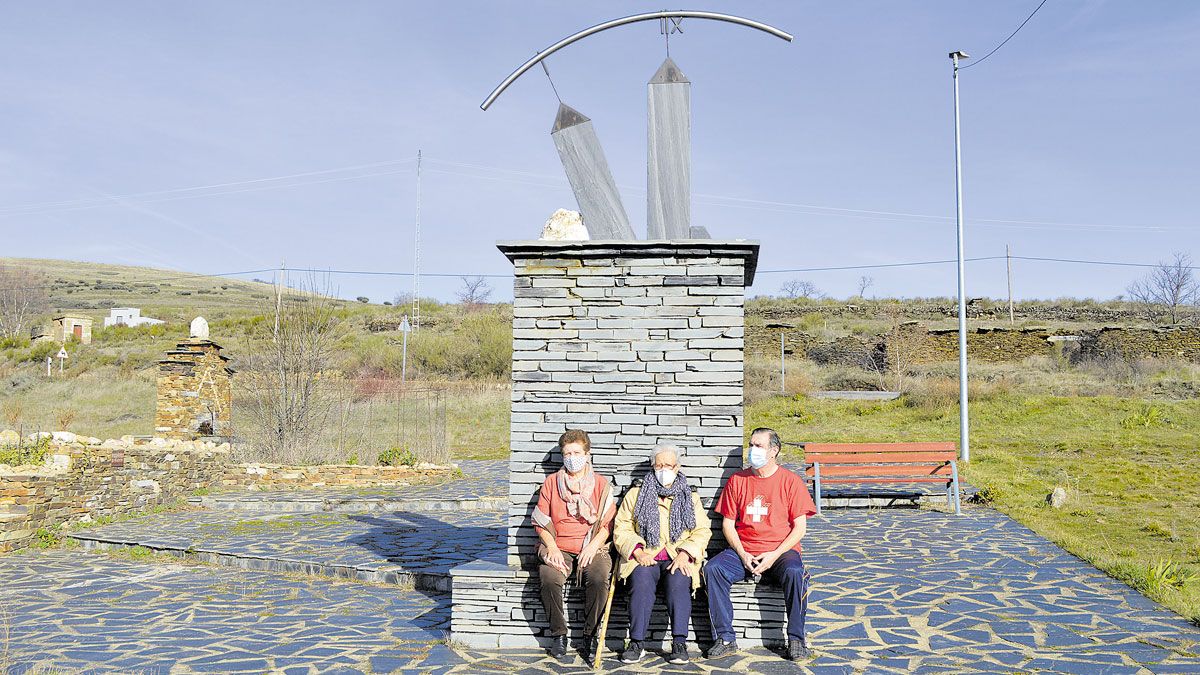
x: 726, y: 569
x: 643, y: 588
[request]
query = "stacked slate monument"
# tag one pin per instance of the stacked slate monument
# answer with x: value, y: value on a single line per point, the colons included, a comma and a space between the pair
x: 639, y: 343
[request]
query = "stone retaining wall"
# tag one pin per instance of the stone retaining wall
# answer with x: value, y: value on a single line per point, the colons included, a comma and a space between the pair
x: 1172, y: 342
x: 84, y: 479
x: 275, y: 476
x: 991, y: 345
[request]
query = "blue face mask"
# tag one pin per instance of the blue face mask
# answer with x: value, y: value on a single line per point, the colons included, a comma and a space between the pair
x: 758, y: 457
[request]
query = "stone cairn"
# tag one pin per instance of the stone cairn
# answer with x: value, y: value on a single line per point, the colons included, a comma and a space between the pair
x: 195, y: 393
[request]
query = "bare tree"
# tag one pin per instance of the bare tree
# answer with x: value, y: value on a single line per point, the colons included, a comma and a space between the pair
x: 1167, y: 288
x: 901, y: 348
x: 287, y: 404
x: 23, y: 296
x: 800, y: 288
x: 474, y: 292
x: 402, y: 299
x: 864, y: 282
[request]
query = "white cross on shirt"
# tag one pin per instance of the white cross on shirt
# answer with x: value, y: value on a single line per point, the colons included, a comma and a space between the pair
x: 756, y: 510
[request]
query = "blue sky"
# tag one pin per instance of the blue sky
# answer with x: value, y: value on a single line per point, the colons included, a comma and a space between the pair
x: 156, y: 133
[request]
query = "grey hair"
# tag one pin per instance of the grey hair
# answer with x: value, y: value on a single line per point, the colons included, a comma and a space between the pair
x: 659, y: 449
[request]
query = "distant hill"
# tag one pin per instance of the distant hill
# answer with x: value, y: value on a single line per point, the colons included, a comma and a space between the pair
x: 171, y: 295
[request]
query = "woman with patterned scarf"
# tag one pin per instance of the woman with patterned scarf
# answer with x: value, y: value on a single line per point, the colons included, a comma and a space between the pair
x: 573, y: 520
x: 661, y: 531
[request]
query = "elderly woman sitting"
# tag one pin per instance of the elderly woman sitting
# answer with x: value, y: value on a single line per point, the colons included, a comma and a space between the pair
x: 573, y: 518
x: 661, y: 531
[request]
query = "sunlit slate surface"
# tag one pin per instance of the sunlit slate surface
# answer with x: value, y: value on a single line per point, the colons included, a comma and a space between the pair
x: 668, y: 154
x: 595, y: 190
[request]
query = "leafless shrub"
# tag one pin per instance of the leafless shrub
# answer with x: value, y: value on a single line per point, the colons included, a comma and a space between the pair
x: 23, y: 296
x: 474, y: 292
x: 286, y: 407
x: 864, y: 282
x: 64, y: 418
x: 893, y: 360
x: 800, y: 288
x: 13, y: 410
x: 1167, y: 289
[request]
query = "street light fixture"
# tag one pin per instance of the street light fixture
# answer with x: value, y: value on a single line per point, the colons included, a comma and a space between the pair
x: 964, y: 442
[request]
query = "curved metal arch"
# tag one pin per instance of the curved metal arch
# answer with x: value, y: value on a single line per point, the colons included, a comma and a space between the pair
x: 649, y: 16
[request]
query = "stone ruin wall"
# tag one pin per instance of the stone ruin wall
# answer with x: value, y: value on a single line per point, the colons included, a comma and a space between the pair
x: 988, y: 345
x: 85, y: 479
x: 1130, y: 343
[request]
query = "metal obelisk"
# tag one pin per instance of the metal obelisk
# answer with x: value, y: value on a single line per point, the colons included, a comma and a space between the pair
x: 668, y: 154
x: 595, y: 190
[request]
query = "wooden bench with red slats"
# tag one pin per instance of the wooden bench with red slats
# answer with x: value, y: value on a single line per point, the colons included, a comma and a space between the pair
x: 829, y: 463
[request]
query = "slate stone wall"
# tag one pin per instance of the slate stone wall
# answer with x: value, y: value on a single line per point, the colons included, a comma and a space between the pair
x: 499, y: 607
x: 82, y: 482
x: 638, y: 343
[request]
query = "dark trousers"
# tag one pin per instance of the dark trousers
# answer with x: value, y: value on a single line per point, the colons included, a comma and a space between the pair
x: 643, y: 588
x: 595, y: 591
x: 726, y: 569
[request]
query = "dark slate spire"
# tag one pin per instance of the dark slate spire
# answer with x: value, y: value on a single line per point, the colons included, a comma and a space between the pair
x: 567, y: 117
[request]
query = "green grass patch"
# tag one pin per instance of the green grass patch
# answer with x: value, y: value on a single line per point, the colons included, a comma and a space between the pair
x: 1133, y: 506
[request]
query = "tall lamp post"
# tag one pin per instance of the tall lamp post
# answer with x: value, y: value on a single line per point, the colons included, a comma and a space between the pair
x: 964, y: 441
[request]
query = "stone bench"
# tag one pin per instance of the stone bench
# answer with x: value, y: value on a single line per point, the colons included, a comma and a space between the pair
x: 496, y: 606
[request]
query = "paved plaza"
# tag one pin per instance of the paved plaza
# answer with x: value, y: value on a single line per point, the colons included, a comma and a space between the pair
x: 894, y: 590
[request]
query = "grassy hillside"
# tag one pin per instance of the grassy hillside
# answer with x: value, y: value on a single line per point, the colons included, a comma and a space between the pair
x: 162, y: 294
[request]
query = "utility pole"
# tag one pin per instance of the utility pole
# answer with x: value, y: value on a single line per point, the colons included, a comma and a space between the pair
x: 416, y: 301
x: 782, y: 367
x: 964, y: 437
x: 1008, y: 259
x: 279, y: 281
x: 405, y: 329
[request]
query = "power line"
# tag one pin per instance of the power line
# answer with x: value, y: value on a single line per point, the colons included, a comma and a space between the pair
x: 1018, y: 30
x: 386, y: 273
x: 77, y: 204
x: 545, y: 181
x: 915, y: 263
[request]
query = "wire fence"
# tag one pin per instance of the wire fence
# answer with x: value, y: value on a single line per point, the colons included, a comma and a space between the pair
x: 358, y: 422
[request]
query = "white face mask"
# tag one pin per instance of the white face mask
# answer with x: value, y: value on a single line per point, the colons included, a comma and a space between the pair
x: 575, y: 463
x: 758, y: 457
x: 665, y: 476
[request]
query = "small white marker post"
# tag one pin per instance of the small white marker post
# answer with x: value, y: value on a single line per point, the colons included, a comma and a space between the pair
x: 49, y: 360
x: 62, y: 357
x: 782, y: 367
x: 405, y: 329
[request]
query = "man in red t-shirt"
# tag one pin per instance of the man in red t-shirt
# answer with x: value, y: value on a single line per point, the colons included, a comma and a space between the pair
x: 765, y: 510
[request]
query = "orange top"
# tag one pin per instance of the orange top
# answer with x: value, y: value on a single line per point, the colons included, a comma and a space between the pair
x: 569, y: 530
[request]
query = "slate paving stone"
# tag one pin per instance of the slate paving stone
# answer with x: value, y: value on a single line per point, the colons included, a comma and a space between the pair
x: 893, y: 591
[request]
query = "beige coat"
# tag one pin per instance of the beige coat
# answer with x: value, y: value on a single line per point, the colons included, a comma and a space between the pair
x: 626, y: 538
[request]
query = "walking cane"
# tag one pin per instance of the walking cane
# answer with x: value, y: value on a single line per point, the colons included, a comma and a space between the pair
x: 612, y: 587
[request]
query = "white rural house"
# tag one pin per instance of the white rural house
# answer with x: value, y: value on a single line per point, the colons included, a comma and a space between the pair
x: 128, y: 316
